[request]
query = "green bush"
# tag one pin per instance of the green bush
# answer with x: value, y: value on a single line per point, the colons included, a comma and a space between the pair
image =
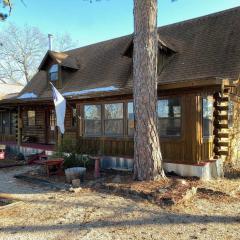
x: 74, y: 160
x: 67, y: 146
x: 73, y: 155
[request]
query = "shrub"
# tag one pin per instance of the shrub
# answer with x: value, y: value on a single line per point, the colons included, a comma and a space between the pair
x: 74, y: 160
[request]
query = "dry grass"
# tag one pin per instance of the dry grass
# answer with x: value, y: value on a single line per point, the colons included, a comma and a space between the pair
x: 88, y: 214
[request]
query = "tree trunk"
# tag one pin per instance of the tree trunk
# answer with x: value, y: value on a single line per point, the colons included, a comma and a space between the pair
x: 147, y: 154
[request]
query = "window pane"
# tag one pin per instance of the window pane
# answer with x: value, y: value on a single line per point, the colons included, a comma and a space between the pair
x: 92, y: 116
x: 53, y: 72
x: 113, y: 127
x: 93, y: 127
x: 163, y: 108
x: 53, y: 76
x: 207, y: 112
x: 53, y: 68
x: 92, y: 112
x: 31, y: 118
x: 169, y: 117
x: 130, y: 119
x: 74, y: 117
x: 53, y: 119
x: 114, y: 111
x: 114, y: 119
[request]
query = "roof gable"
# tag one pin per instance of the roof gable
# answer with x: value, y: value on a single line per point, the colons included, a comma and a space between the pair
x: 59, y: 58
x: 162, y: 46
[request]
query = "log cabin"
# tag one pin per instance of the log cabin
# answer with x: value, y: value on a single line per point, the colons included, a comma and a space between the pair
x: 198, y: 97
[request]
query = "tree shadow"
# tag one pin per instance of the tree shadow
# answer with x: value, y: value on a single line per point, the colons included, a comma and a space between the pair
x: 162, y: 219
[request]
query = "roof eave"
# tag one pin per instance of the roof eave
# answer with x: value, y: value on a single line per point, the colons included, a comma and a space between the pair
x: 209, y: 81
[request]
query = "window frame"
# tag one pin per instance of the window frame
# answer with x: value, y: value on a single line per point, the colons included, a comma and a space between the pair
x: 74, y: 117
x: 172, y: 137
x: 122, y: 119
x: 127, y: 119
x: 50, y: 73
x: 52, y: 119
x: 84, y: 119
x: 208, y: 98
x: 28, y: 122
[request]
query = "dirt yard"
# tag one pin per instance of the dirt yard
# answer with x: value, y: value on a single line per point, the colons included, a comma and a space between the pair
x: 42, y: 214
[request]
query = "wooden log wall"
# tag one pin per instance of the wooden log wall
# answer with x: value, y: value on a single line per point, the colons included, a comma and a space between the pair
x: 233, y: 133
x: 189, y: 148
x: 9, y: 127
x: 38, y: 131
x: 71, y: 132
x: 221, y: 131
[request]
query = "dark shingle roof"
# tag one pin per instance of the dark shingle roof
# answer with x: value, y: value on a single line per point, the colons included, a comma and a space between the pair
x: 205, y: 47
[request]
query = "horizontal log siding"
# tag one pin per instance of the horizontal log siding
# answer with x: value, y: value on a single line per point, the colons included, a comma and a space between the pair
x: 7, y: 138
x: 70, y: 131
x: 39, y: 130
x: 188, y: 148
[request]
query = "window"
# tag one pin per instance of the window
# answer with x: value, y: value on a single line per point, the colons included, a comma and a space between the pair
x: 169, y: 117
x: 113, y: 119
x: 52, y: 119
x: 130, y: 119
x: 207, y: 116
x: 230, y: 113
x: 53, y: 73
x: 31, y: 118
x: 74, y: 117
x: 92, y: 120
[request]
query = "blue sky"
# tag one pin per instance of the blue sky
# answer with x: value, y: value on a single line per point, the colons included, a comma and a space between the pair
x: 89, y: 23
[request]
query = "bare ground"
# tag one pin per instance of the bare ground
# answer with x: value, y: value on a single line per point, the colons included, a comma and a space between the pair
x: 42, y: 214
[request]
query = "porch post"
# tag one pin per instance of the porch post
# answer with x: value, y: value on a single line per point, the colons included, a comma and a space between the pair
x: 19, y: 128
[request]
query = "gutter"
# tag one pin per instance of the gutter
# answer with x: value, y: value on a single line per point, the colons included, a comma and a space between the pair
x: 201, y: 82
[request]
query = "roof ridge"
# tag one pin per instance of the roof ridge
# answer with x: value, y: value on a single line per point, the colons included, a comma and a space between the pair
x: 101, y: 42
x: 204, y: 17
x: 159, y: 28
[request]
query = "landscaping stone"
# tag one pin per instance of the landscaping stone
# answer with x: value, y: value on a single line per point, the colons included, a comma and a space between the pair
x: 117, y: 179
x: 76, y: 183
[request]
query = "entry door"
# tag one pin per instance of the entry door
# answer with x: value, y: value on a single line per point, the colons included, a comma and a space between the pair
x: 51, y: 126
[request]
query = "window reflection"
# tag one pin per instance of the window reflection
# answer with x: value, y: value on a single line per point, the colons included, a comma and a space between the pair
x: 92, y: 119
x: 169, y: 117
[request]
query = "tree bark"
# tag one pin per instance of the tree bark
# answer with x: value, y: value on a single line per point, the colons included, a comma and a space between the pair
x: 147, y: 154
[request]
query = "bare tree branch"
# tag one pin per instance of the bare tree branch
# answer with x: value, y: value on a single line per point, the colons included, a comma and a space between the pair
x: 22, y: 49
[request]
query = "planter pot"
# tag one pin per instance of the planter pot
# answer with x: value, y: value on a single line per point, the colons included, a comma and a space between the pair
x: 74, y: 173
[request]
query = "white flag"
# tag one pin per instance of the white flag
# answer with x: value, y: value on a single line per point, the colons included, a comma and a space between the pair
x: 60, y: 108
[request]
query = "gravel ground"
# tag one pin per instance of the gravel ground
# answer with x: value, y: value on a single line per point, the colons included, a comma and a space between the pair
x: 42, y: 214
